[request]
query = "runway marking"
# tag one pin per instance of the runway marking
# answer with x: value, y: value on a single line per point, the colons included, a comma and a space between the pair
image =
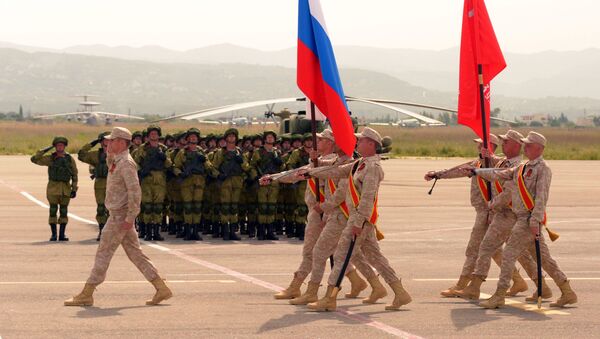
x: 527, y: 307
x: 496, y: 279
x: 241, y: 276
x: 111, y: 282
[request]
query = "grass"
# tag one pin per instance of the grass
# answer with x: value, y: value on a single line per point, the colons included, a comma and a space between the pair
x: 563, y: 144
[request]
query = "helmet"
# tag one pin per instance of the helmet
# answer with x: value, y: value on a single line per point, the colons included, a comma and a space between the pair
x: 136, y: 134
x: 307, y: 136
x: 231, y: 131
x: 296, y: 137
x: 60, y: 140
x: 191, y: 131
x: 265, y: 133
x: 169, y: 137
x: 154, y: 128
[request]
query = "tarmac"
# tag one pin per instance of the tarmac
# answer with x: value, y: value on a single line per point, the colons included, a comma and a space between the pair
x: 224, y: 289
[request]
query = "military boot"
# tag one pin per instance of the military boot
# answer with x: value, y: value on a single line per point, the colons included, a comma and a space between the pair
x: 357, y: 284
x: 567, y: 296
x: 196, y: 232
x: 216, y: 230
x: 495, y: 301
x: 61, y: 233
x: 205, y: 226
x: 85, y: 298
x: 309, y: 296
x: 53, y: 230
x: 519, y: 285
x: 300, y: 231
x: 225, y: 230
x: 180, y: 230
x: 278, y: 228
x: 293, y: 291
x: 260, y: 233
x: 142, y: 230
x: 164, y: 226
x: 377, y: 291
x: 100, y: 228
x: 461, y: 284
x: 327, y: 303
x: 290, y: 230
x: 157, y: 236
x: 162, y: 292
x: 187, y: 232
x: 546, y: 292
x: 149, y: 230
x: 232, y: 235
x: 473, y: 290
x: 271, y: 232
x: 243, y: 228
x: 172, y: 227
x: 401, y: 297
x: 251, y: 229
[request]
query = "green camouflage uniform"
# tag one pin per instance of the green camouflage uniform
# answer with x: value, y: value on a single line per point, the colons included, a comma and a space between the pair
x: 267, y: 162
x: 299, y: 158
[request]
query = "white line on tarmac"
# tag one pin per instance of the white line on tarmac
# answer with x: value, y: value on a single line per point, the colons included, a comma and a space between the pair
x: 496, y: 279
x: 111, y: 282
x: 348, y: 314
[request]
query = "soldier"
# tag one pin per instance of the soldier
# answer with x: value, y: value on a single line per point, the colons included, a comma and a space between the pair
x: 267, y: 160
x: 252, y: 186
x: 123, y: 202
x: 62, y: 183
x: 97, y: 160
x: 231, y: 166
x: 136, y: 141
x: 284, y: 188
x: 207, y: 205
x: 364, y: 177
x: 174, y: 189
x: 479, y: 201
x: 152, y: 159
x: 191, y: 167
x: 529, y: 195
x: 168, y: 204
x: 299, y: 158
x: 499, y: 229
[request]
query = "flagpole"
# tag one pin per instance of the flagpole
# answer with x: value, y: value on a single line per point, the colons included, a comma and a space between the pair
x: 484, y: 126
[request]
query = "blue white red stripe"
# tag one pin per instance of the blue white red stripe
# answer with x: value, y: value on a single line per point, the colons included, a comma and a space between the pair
x: 317, y: 74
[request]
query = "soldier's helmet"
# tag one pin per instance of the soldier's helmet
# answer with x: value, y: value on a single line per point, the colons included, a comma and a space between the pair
x: 233, y: 131
x: 296, y: 137
x: 181, y: 135
x: 144, y: 133
x: 169, y: 137
x: 267, y: 132
x: 286, y: 137
x: 102, y: 135
x: 60, y: 140
x: 210, y: 137
x: 193, y: 131
x: 137, y: 134
x: 307, y: 136
x: 386, y: 145
x: 256, y: 137
x: 154, y: 128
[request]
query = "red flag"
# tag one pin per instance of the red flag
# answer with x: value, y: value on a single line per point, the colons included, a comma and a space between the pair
x: 478, y: 46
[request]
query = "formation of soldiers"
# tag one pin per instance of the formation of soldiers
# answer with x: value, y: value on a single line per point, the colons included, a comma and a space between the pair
x: 193, y: 184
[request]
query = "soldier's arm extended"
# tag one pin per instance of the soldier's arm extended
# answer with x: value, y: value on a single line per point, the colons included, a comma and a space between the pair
x: 88, y: 156
x: 542, y: 193
x: 370, y: 186
x: 505, y: 174
x: 134, y: 191
x: 74, y: 177
x: 334, y: 171
x: 454, y: 172
x: 41, y: 158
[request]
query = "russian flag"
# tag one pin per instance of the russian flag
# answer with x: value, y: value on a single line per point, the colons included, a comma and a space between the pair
x: 317, y: 74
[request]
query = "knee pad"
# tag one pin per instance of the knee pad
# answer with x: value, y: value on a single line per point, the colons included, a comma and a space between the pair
x: 198, y: 207
x: 146, y: 208
x: 64, y: 210
x: 263, y: 209
x: 157, y: 208
x: 53, y: 209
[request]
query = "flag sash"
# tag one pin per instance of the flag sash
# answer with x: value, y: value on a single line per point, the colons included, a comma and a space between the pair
x: 312, y: 184
x: 526, y: 197
x: 343, y: 206
x: 355, y: 195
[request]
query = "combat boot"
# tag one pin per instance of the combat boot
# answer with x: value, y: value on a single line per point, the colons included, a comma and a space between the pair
x: 61, y: 233
x: 519, y: 285
x: 495, y: 301
x: 180, y: 230
x: 461, y: 284
x: 85, y: 298
x: 401, y: 297
x: 196, y: 232
x: 164, y: 226
x: 473, y: 290
x: 546, y: 292
x: 291, y: 230
x: 162, y: 292
x: 300, y: 231
x: 260, y: 233
x: 157, y: 236
x: 567, y: 296
x: 278, y: 228
x: 100, y: 228
x: 216, y: 230
x: 142, y: 230
x: 172, y: 227
x: 149, y: 230
x: 271, y: 232
x: 357, y: 284
x: 232, y: 235
x: 251, y: 229
x: 377, y: 291
x: 225, y: 230
x: 205, y: 226
x: 293, y: 291
x: 327, y: 303
x: 187, y: 232
x: 53, y: 230
x: 309, y: 296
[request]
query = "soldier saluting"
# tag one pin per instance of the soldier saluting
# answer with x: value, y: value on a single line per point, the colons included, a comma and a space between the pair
x: 62, y: 183
x: 97, y: 160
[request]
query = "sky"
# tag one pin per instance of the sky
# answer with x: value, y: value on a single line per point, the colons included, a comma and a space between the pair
x: 522, y: 26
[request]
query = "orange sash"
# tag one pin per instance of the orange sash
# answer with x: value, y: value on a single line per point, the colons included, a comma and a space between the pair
x: 343, y: 205
x: 526, y: 197
x: 313, y: 189
x: 482, y: 184
x: 355, y: 195
x: 499, y: 189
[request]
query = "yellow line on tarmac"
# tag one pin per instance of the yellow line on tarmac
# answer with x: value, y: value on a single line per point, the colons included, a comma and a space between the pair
x: 527, y: 307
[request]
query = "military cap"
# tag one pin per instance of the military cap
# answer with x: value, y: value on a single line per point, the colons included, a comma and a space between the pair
x: 534, y: 138
x: 326, y: 134
x: 493, y: 139
x: 513, y: 135
x: 120, y: 133
x: 370, y: 133
x: 256, y: 137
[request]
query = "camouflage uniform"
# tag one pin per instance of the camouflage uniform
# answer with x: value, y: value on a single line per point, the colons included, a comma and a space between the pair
x: 299, y: 158
x: 97, y: 159
x: 123, y: 196
x: 62, y: 185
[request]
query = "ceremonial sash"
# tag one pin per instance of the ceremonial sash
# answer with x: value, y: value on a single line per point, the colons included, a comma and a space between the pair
x: 499, y: 189
x: 355, y: 195
x: 313, y: 189
x: 343, y: 205
x: 482, y: 184
x: 526, y: 197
